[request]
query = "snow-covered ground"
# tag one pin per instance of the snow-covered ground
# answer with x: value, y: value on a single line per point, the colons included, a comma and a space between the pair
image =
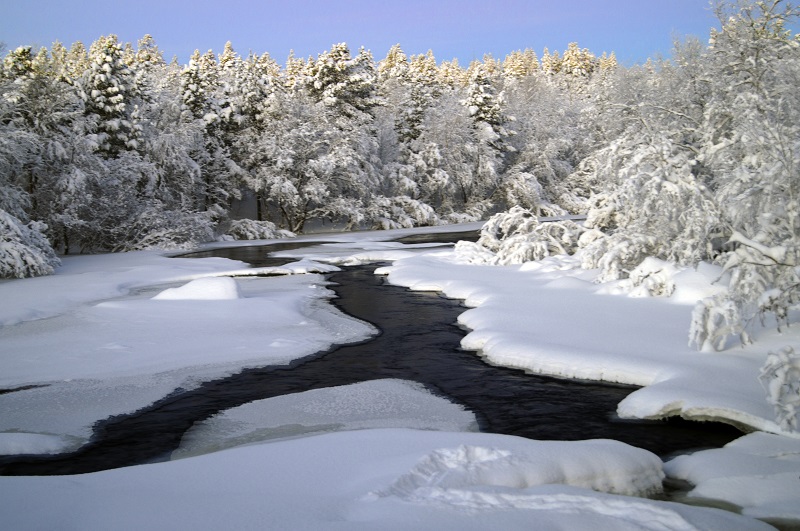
x: 110, y: 334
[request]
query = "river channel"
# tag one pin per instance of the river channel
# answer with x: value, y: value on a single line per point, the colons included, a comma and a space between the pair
x: 419, y: 341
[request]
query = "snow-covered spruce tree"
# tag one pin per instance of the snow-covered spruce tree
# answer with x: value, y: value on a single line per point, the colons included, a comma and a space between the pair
x: 255, y: 88
x: 340, y: 81
x: 197, y: 85
x: 751, y: 148
x: 485, y: 106
x: 205, y: 104
x: 108, y: 91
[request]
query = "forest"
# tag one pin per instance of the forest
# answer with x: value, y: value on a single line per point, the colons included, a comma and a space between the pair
x: 687, y: 159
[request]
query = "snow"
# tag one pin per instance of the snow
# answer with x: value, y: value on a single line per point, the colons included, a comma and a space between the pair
x: 373, y: 404
x: 104, y: 337
x: 108, y: 334
x: 549, y: 317
x: 348, y: 480
x: 33, y: 443
x: 445, y: 475
x: 757, y: 473
x: 220, y: 288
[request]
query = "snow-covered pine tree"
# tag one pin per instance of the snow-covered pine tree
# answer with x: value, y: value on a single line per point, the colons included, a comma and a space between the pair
x: 109, y: 93
x: 485, y: 106
x: 452, y: 75
x: 520, y: 64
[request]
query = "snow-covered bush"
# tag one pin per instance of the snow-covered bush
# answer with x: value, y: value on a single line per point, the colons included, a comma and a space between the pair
x: 653, y: 277
x: 518, y: 236
x: 155, y: 228
x: 501, y: 226
x: 618, y: 254
x: 24, y: 251
x: 780, y: 375
x: 714, y: 320
x: 400, y: 212
x: 250, y: 229
x: 660, y: 208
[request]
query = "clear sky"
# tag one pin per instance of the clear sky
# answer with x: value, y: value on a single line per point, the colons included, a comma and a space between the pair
x: 463, y: 29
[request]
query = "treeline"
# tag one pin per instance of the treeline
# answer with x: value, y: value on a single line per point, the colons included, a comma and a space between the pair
x: 113, y: 148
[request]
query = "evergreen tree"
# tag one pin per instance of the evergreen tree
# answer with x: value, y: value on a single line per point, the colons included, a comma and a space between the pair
x: 109, y: 94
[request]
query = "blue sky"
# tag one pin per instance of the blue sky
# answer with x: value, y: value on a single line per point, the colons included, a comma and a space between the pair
x: 464, y: 29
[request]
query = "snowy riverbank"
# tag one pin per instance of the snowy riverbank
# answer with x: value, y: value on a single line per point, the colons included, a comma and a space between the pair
x: 97, y: 342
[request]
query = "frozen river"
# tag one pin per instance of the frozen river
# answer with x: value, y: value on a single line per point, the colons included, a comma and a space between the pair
x: 418, y: 341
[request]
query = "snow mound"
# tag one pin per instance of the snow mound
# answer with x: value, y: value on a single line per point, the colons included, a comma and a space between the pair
x: 320, y: 482
x: 478, y: 476
x: 373, y: 404
x: 758, y: 472
x: 17, y: 443
x: 214, y: 288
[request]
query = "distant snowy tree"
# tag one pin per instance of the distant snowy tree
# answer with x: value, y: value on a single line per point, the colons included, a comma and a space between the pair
x: 18, y: 63
x: 394, y: 65
x: 452, y: 75
x: 520, y: 64
x: 457, y: 167
x: 301, y: 163
x: 485, y: 106
x: 203, y: 88
x: 578, y: 62
x: 196, y: 86
x: 553, y: 134
x: 336, y: 79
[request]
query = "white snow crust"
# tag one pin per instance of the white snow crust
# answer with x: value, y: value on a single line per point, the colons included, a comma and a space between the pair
x: 373, y: 404
x: 103, y: 337
x: 549, y: 317
x: 344, y: 480
x: 219, y: 288
x: 109, y: 334
x: 759, y: 473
